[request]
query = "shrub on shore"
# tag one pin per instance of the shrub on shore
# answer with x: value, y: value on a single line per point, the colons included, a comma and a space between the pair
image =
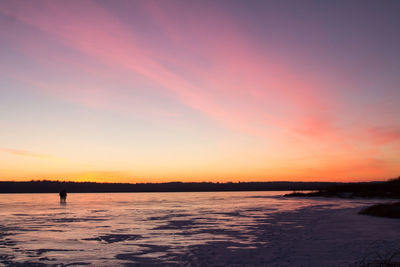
x: 387, y: 189
x: 390, y: 210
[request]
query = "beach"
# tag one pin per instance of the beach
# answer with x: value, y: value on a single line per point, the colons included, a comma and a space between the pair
x: 191, y: 229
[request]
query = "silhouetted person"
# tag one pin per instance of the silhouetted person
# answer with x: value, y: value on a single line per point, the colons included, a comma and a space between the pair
x: 63, y: 196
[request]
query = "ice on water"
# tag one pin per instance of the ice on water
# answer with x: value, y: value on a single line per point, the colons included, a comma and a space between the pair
x: 212, y: 228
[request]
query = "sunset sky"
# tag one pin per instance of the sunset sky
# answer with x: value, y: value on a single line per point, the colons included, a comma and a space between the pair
x: 156, y: 91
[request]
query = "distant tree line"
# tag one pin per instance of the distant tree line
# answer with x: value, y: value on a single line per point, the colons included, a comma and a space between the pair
x: 45, y: 186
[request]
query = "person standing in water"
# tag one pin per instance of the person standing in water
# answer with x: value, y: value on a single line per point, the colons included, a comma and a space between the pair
x: 63, y: 196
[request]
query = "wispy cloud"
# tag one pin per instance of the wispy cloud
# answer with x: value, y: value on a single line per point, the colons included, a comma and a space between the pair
x: 384, y: 135
x: 26, y: 153
x: 221, y: 76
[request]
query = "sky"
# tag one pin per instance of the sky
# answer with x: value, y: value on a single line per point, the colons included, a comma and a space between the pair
x: 158, y: 91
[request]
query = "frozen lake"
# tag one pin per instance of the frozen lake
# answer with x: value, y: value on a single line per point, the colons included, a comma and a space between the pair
x: 197, y: 229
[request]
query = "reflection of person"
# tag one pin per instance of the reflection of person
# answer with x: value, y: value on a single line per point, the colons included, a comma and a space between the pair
x: 63, y: 196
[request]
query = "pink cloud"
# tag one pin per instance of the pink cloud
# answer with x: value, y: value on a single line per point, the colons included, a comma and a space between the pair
x: 384, y: 135
x: 236, y: 87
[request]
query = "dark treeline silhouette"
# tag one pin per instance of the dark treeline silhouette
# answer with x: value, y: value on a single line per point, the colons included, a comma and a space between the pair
x: 91, y: 187
x: 385, y: 189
